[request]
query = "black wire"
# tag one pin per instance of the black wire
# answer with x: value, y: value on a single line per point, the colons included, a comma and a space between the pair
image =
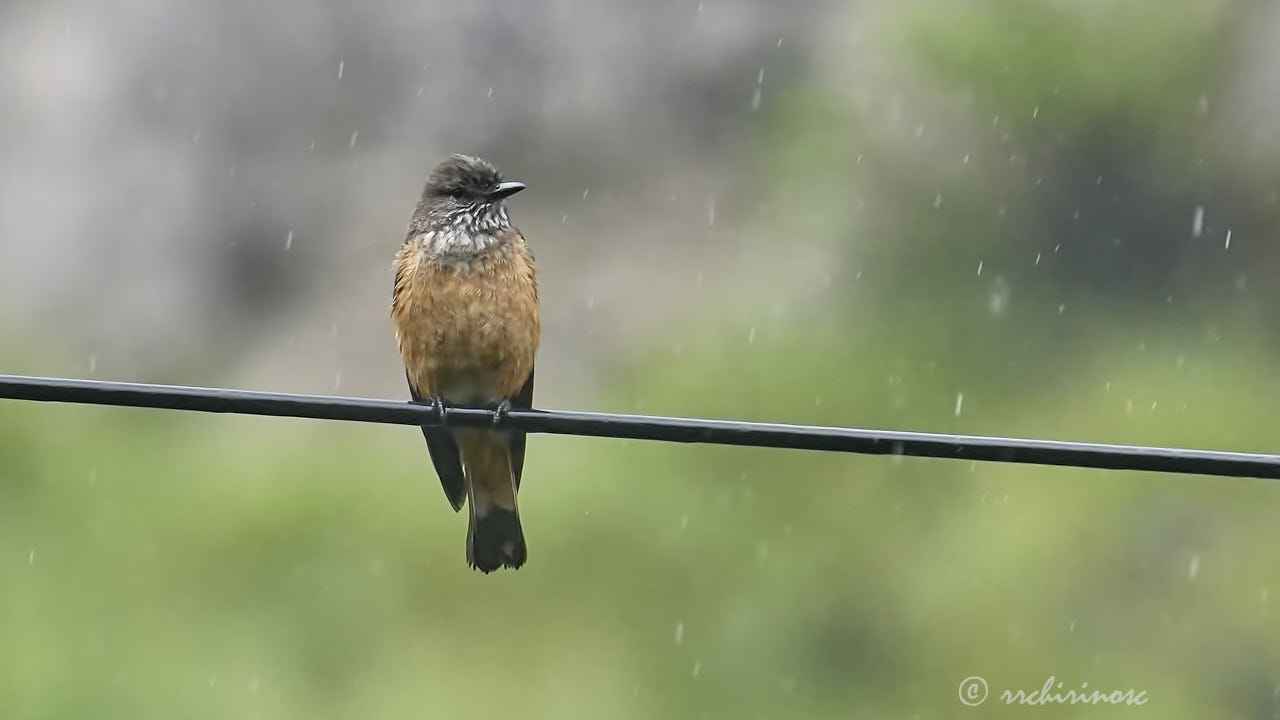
x: 643, y: 427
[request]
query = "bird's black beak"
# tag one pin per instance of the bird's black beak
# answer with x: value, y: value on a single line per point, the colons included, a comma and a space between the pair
x: 505, y: 189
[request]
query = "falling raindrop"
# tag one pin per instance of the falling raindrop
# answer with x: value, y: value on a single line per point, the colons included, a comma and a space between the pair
x: 31, y: 557
x: 680, y: 633
x: 352, y: 142
x: 1227, y: 245
x: 937, y: 201
x: 1197, y: 221
x: 288, y: 240
x: 998, y: 300
x: 979, y: 268
x: 697, y: 668
x: 959, y: 403
x: 1193, y: 568
x: 751, y: 336
x: 342, y: 65
x: 585, y: 192
x: 490, y: 94
x: 93, y: 363
x: 1037, y: 258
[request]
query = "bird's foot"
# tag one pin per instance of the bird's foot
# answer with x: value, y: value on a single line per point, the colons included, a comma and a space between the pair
x: 441, y: 408
x: 500, y: 412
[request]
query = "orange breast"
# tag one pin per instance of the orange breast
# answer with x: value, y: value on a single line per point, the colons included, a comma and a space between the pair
x: 467, y: 331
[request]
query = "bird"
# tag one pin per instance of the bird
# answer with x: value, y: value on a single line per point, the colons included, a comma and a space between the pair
x: 467, y: 322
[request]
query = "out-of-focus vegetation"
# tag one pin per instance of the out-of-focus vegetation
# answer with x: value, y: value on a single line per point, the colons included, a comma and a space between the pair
x: 1026, y: 235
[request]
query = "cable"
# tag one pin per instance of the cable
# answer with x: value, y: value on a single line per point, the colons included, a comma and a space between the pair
x: 643, y: 427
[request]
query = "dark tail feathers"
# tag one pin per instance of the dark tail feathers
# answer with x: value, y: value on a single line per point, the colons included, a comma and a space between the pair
x: 495, y: 540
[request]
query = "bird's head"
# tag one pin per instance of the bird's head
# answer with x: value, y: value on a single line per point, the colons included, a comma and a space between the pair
x: 467, y: 194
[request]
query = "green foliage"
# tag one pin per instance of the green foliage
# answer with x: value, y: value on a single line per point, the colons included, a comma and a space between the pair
x: 1092, y: 66
x: 233, y: 567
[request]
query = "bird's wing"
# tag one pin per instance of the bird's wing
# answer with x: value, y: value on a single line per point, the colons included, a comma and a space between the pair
x: 445, y: 457
x: 522, y: 401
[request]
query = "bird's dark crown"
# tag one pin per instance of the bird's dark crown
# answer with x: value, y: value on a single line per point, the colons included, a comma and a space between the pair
x: 463, y: 177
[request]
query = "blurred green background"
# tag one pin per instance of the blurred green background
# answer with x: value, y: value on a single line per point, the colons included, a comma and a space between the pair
x: 1039, y: 219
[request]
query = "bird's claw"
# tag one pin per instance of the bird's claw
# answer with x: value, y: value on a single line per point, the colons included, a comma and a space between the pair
x: 500, y: 412
x: 441, y: 408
